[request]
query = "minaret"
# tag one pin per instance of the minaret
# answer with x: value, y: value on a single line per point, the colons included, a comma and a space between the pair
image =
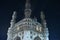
x: 12, y: 23
x: 27, y: 9
x: 43, y: 21
x: 13, y: 19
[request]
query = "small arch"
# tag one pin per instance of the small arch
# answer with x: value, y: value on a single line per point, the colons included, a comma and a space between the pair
x: 17, y: 38
x: 37, y: 38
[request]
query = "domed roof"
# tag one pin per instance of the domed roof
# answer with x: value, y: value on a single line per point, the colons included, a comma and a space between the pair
x: 26, y: 24
x: 28, y: 21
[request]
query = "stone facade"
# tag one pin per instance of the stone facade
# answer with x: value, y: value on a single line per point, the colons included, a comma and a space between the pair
x: 28, y: 28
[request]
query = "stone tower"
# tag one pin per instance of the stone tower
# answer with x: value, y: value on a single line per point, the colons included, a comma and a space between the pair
x: 28, y: 28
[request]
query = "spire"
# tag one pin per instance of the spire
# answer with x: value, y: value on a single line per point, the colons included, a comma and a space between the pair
x: 42, y: 15
x: 27, y: 9
x: 43, y: 21
x: 13, y: 19
x: 14, y: 15
x: 27, y: 5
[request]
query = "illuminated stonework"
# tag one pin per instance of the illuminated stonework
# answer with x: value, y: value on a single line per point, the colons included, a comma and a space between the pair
x: 28, y: 28
x: 18, y: 28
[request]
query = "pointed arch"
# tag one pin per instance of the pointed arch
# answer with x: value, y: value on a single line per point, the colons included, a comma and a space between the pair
x: 37, y: 38
x: 17, y: 38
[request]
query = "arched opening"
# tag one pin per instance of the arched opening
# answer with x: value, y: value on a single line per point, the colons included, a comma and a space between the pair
x: 17, y: 38
x: 37, y: 38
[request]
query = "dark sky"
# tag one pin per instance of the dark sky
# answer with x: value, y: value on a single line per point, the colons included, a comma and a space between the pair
x: 51, y: 9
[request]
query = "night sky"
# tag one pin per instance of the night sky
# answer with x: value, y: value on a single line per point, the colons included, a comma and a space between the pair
x: 51, y: 8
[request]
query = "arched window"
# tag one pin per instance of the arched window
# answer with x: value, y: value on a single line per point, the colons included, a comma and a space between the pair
x: 17, y: 38
x: 37, y: 38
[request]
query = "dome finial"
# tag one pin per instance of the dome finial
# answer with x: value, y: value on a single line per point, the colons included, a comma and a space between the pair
x: 27, y: 9
x: 27, y: 5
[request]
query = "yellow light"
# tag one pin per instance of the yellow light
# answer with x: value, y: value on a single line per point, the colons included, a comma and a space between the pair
x: 40, y: 29
x: 37, y: 28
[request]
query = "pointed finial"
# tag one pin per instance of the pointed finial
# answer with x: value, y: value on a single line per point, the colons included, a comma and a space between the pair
x: 14, y: 15
x: 27, y: 9
x: 43, y: 21
x: 27, y: 5
x: 42, y: 15
x: 13, y: 19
